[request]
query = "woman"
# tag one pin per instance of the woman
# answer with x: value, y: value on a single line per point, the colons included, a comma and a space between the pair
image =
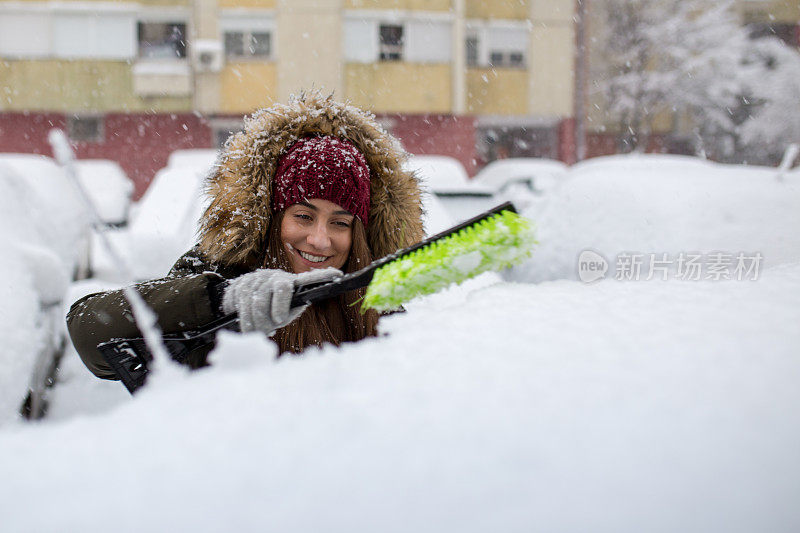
x: 306, y: 191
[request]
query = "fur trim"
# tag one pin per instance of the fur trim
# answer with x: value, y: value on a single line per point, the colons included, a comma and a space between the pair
x: 233, y: 230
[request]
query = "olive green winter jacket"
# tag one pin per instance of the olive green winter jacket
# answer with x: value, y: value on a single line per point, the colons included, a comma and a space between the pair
x: 183, y: 300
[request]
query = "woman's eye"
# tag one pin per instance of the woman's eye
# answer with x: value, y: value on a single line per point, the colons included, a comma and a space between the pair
x: 342, y: 223
x: 303, y: 216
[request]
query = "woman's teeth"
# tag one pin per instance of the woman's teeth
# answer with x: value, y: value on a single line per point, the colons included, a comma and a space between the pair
x: 312, y: 258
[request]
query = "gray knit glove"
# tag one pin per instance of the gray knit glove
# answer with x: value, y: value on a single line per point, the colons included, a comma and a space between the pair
x: 262, y: 298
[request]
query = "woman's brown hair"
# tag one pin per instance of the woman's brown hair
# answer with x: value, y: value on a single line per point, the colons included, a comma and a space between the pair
x: 336, y: 320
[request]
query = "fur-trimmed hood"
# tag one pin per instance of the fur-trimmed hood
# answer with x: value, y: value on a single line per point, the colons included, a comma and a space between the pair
x: 233, y: 230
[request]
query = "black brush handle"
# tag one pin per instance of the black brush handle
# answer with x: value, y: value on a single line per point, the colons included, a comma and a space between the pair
x: 317, y: 292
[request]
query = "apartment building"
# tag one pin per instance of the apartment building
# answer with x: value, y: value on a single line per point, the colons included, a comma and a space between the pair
x: 133, y: 81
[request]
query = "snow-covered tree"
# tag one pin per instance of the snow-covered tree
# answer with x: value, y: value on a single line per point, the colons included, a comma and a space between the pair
x: 774, y: 118
x: 624, y: 61
x: 674, y: 58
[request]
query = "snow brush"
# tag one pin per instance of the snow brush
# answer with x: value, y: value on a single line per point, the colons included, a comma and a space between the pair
x: 491, y: 241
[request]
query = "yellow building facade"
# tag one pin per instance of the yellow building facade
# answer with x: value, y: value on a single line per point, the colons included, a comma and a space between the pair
x: 232, y: 56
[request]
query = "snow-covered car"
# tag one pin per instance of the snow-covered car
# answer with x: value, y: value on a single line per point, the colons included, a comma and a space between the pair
x: 162, y: 223
x: 108, y: 187
x: 662, y: 209
x: 566, y: 406
x: 521, y: 180
x: 528, y: 174
x: 201, y: 158
x: 162, y: 226
x: 439, y: 173
x: 66, y: 228
x: 42, y: 232
x: 435, y: 216
x: 446, y: 178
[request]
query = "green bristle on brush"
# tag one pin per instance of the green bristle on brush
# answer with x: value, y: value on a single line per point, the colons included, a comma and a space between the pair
x: 494, y: 243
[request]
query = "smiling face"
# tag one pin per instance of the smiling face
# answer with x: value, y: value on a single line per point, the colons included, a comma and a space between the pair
x: 316, y: 233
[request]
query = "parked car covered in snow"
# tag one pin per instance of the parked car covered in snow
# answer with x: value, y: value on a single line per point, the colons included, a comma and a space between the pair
x: 536, y: 174
x: 162, y: 229
x: 109, y: 188
x: 521, y: 179
x: 435, y: 216
x: 65, y: 227
x: 200, y: 158
x: 43, y: 232
x: 163, y: 222
x: 666, y: 207
x: 446, y: 178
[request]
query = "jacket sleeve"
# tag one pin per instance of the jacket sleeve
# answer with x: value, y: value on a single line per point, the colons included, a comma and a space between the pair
x: 183, y: 300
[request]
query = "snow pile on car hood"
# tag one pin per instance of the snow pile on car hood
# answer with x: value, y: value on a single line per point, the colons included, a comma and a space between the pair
x: 660, y: 406
x: 108, y: 186
x: 645, y: 204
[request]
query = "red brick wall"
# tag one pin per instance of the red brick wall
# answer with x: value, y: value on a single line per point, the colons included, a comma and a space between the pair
x: 140, y: 143
x: 26, y: 133
x: 598, y: 144
x: 566, y: 141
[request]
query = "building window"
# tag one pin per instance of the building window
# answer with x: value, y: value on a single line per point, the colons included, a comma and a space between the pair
x: 244, y: 44
x: 497, y: 45
x: 85, y: 128
x: 506, y: 59
x: 516, y: 59
x: 391, y: 42
x: 162, y: 40
x: 472, y: 51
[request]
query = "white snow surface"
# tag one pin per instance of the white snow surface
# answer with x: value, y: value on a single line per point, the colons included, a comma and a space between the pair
x: 544, y: 404
x: 514, y: 407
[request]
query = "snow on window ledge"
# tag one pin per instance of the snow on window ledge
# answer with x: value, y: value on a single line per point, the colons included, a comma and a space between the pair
x: 166, y: 67
x: 162, y: 77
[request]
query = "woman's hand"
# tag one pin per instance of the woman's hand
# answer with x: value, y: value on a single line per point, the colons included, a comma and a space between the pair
x: 262, y: 298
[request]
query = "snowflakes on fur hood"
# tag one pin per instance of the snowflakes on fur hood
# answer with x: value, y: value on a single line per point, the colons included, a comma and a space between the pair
x: 233, y: 230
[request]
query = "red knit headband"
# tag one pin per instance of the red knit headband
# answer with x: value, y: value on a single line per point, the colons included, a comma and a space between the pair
x: 323, y: 167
